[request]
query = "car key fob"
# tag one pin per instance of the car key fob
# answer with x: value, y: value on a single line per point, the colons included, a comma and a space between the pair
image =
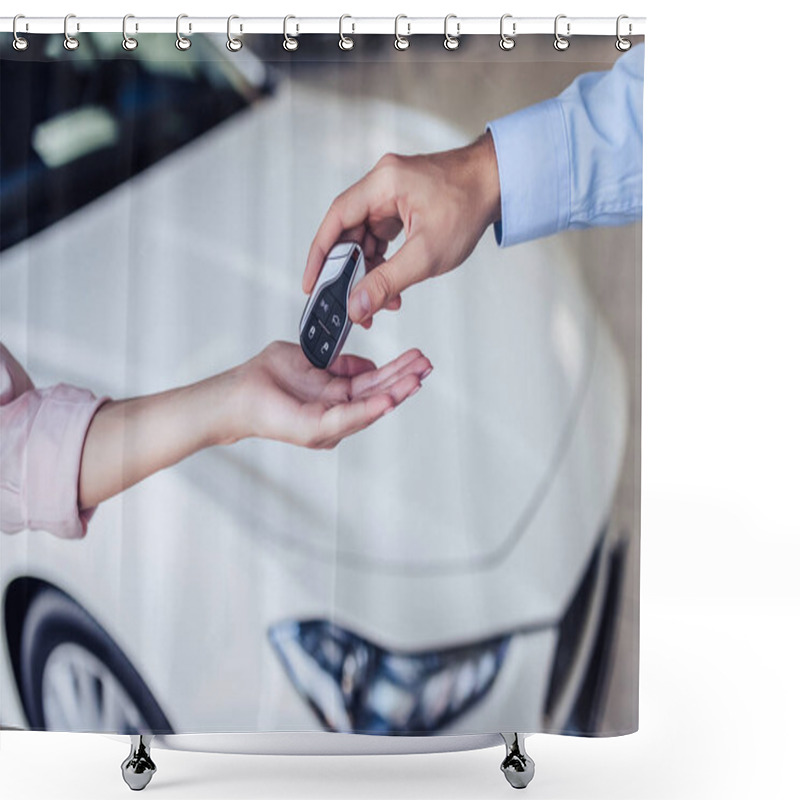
x: 325, y: 322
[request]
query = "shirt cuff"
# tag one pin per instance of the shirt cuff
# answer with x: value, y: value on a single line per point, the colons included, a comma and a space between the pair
x: 533, y: 166
x: 55, y: 449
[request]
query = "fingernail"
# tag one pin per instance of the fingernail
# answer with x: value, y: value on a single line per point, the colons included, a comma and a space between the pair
x: 362, y: 304
x: 426, y: 373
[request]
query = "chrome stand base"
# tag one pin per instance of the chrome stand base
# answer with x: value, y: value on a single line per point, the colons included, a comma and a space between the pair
x: 517, y: 766
x: 138, y: 768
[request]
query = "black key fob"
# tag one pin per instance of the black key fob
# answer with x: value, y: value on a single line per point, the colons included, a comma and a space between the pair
x: 325, y: 322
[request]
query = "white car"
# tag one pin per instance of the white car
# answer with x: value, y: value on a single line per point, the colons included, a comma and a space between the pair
x: 450, y: 570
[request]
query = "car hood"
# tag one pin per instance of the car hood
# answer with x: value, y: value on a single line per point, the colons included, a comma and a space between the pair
x: 195, y: 265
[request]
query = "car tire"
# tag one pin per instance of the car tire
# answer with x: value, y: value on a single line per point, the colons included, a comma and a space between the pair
x: 74, y: 676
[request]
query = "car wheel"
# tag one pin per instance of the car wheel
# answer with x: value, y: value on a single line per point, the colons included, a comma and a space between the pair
x: 75, y: 678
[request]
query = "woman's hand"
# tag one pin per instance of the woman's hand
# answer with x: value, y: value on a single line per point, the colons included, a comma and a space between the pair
x: 285, y: 398
x: 275, y: 395
x: 443, y: 201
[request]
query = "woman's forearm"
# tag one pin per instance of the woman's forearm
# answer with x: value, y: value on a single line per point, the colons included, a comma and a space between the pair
x: 277, y: 394
x: 128, y: 440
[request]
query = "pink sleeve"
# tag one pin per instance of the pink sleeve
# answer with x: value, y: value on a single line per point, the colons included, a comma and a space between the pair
x: 41, y: 443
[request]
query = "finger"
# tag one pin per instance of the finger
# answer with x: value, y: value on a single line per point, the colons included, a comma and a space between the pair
x: 347, y: 418
x: 386, y: 227
x: 407, y: 266
x: 403, y: 388
x: 399, y: 391
x: 343, y: 388
x: 369, y: 246
x: 373, y: 262
x: 348, y: 210
x: 348, y: 366
x: 369, y: 379
x: 393, y: 304
x: 418, y: 365
x: 419, y: 369
x: 397, y: 388
x: 357, y: 234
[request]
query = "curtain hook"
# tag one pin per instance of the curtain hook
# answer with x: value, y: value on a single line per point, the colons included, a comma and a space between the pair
x: 507, y: 42
x: 128, y: 42
x: 70, y: 42
x: 20, y: 43
x: 401, y: 42
x: 560, y: 42
x: 181, y: 42
x: 451, y: 42
x: 623, y: 44
x: 289, y: 42
x: 233, y: 44
x: 345, y: 42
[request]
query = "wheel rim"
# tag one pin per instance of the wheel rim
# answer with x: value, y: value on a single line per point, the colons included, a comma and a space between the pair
x: 80, y: 693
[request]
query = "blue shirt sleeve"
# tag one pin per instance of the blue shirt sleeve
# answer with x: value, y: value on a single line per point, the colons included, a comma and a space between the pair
x: 573, y: 161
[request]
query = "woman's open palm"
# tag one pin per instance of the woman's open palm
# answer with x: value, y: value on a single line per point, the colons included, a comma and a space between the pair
x: 290, y: 400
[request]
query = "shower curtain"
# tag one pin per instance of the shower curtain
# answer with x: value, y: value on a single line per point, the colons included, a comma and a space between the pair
x: 204, y: 532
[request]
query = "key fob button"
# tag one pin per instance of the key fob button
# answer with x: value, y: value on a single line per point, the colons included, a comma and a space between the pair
x: 336, y: 319
x: 323, y: 308
x: 313, y: 332
x: 324, y: 348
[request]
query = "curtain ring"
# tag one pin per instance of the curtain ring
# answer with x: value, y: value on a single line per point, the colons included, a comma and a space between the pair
x: 560, y: 43
x: 623, y: 44
x: 233, y: 44
x: 181, y: 42
x: 20, y: 43
x: 128, y: 42
x: 507, y: 42
x: 451, y: 42
x: 401, y: 42
x: 289, y: 43
x: 70, y: 42
x: 345, y: 42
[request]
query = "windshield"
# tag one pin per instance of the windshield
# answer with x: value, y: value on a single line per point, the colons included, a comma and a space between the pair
x: 74, y: 124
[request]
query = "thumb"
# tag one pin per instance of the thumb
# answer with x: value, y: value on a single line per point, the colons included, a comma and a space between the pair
x: 384, y: 282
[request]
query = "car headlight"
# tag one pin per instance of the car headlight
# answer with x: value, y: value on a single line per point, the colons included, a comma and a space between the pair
x: 356, y: 686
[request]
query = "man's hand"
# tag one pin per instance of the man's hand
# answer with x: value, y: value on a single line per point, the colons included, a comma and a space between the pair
x: 443, y: 201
